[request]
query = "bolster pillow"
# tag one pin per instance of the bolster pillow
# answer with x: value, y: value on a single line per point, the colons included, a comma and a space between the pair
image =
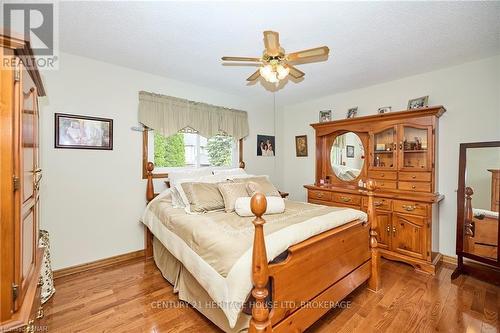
x: 275, y: 205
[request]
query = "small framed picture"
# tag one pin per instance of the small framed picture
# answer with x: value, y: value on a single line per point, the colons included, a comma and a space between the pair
x: 351, y: 113
x: 325, y: 115
x: 384, y: 109
x: 265, y: 145
x: 301, y: 145
x: 418, y: 103
x: 83, y: 132
x: 349, y: 151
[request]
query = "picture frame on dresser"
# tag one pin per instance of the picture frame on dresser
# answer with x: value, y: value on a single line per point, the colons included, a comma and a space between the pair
x: 407, y: 196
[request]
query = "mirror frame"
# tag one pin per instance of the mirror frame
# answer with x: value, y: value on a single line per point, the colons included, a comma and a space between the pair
x: 363, y: 136
x: 462, y: 166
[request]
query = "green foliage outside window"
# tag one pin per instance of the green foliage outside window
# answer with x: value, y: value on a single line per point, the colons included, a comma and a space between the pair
x: 169, y: 152
x: 219, y: 149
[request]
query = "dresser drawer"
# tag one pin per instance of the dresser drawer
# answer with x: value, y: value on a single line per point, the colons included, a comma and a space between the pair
x: 320, y: 195
x: 387, y: 184
x: 346, y: 198
x: 390, y: 175
x: 379, y: 203
x: 415, y: 186
x: 410, y: 207
x: 415, y: 176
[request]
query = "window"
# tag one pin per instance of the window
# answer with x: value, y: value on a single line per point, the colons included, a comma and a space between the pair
x: 189, y: 149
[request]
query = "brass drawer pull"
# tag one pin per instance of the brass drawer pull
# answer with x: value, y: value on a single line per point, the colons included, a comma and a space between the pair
x: 388, y: 229
x: 345, y: 199
x: 319, y: 195
x: 414, y: 177
x: 378, y: 203
x: 394, y: 230
x: 382, y: 175
x: 409, y: 208
x: 413, y: 187
x: 39, y: 314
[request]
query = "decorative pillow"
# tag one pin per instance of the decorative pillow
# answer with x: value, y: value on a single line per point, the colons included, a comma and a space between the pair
x: 203, y: 179
x: 275, y: 205
x: 260, y: 184
x: 202, y: 197
x: 177, y: 201
x: 229, y: 172
x: 230, y: 192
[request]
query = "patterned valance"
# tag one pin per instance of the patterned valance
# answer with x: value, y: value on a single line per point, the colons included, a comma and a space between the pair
x: 168, y: 115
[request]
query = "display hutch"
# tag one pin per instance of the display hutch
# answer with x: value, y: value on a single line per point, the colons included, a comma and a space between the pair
x: 399, y: 151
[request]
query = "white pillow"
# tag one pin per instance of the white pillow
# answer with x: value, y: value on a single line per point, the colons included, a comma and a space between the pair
x: 176, y: 175
x: 229, y: 172
x: 275, y: 205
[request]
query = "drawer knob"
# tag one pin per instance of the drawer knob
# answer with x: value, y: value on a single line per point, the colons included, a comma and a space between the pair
x: 413, y: 187
x: 414, y: 176
x: 382, y: 175
x: 345, y: 199
x: 408, y: 208
x: 319, y: 195
x: 388, y: 229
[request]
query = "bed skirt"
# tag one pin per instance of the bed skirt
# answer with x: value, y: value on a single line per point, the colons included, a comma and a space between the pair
x: 189, y: 290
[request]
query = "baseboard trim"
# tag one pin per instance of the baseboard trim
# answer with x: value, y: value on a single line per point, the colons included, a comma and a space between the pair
x: 106, y: 262
x: 449, y: 260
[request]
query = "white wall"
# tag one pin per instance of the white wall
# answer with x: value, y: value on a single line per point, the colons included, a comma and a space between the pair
x: 470, y: 93
x: 92, y: 200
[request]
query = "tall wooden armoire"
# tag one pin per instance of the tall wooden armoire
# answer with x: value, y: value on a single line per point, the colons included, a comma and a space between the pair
x: 20, y: 174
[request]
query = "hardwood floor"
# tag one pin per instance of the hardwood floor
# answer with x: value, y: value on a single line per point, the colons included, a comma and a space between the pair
x: 125, y: 299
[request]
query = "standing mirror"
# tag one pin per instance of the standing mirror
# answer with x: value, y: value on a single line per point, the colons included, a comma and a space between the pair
x: 478, y: 227
x: 347, y: 156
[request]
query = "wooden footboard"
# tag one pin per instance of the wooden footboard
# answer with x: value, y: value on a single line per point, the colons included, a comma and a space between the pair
x: 316, y: 274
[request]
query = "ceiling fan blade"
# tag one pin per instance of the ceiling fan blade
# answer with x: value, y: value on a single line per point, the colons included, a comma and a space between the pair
x: 254, y: 76
x: 272, y: 42
x: 294, y: 72
x: 310, y: 53
x: 241, y: 59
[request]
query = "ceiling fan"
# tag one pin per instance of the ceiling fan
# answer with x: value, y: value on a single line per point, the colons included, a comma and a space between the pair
x: 276, y: 64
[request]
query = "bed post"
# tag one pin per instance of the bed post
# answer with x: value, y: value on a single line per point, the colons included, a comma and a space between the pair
x: 260, y: 322
x: 468, y: 226
x: 150, y: 194
x: 374, y: 282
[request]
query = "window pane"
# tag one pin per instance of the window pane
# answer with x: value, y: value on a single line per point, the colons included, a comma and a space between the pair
x: 169, y: 152
x: 191, y: 149
x: 219, y: 149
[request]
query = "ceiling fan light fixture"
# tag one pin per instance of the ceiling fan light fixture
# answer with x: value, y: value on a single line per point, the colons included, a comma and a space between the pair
x: 282, y: 71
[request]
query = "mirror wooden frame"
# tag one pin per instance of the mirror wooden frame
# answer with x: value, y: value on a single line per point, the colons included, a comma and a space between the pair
x: 490, y: 270
x: 333, y: 178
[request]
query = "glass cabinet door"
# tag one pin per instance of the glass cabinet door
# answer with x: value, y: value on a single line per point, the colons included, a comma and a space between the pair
x: 383, y: 150
x: 415, y: 147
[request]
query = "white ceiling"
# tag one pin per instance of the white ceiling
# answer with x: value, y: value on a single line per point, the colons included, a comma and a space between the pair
x: 370, y: 42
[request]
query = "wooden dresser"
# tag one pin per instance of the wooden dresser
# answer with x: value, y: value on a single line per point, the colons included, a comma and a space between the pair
x: 20, y: 174
x: 399, y: 151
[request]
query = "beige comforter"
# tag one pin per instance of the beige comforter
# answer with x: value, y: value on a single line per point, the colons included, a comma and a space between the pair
x: 222, y: 238
x: 216, y: 247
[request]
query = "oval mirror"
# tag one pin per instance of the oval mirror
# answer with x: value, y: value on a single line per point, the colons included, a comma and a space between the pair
x: 347, y: 156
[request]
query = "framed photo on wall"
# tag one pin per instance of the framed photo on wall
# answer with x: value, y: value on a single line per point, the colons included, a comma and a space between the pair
x: 265, y: 145
x: 83, y: 132
x: 349, y: 151
x: 301, y: 145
